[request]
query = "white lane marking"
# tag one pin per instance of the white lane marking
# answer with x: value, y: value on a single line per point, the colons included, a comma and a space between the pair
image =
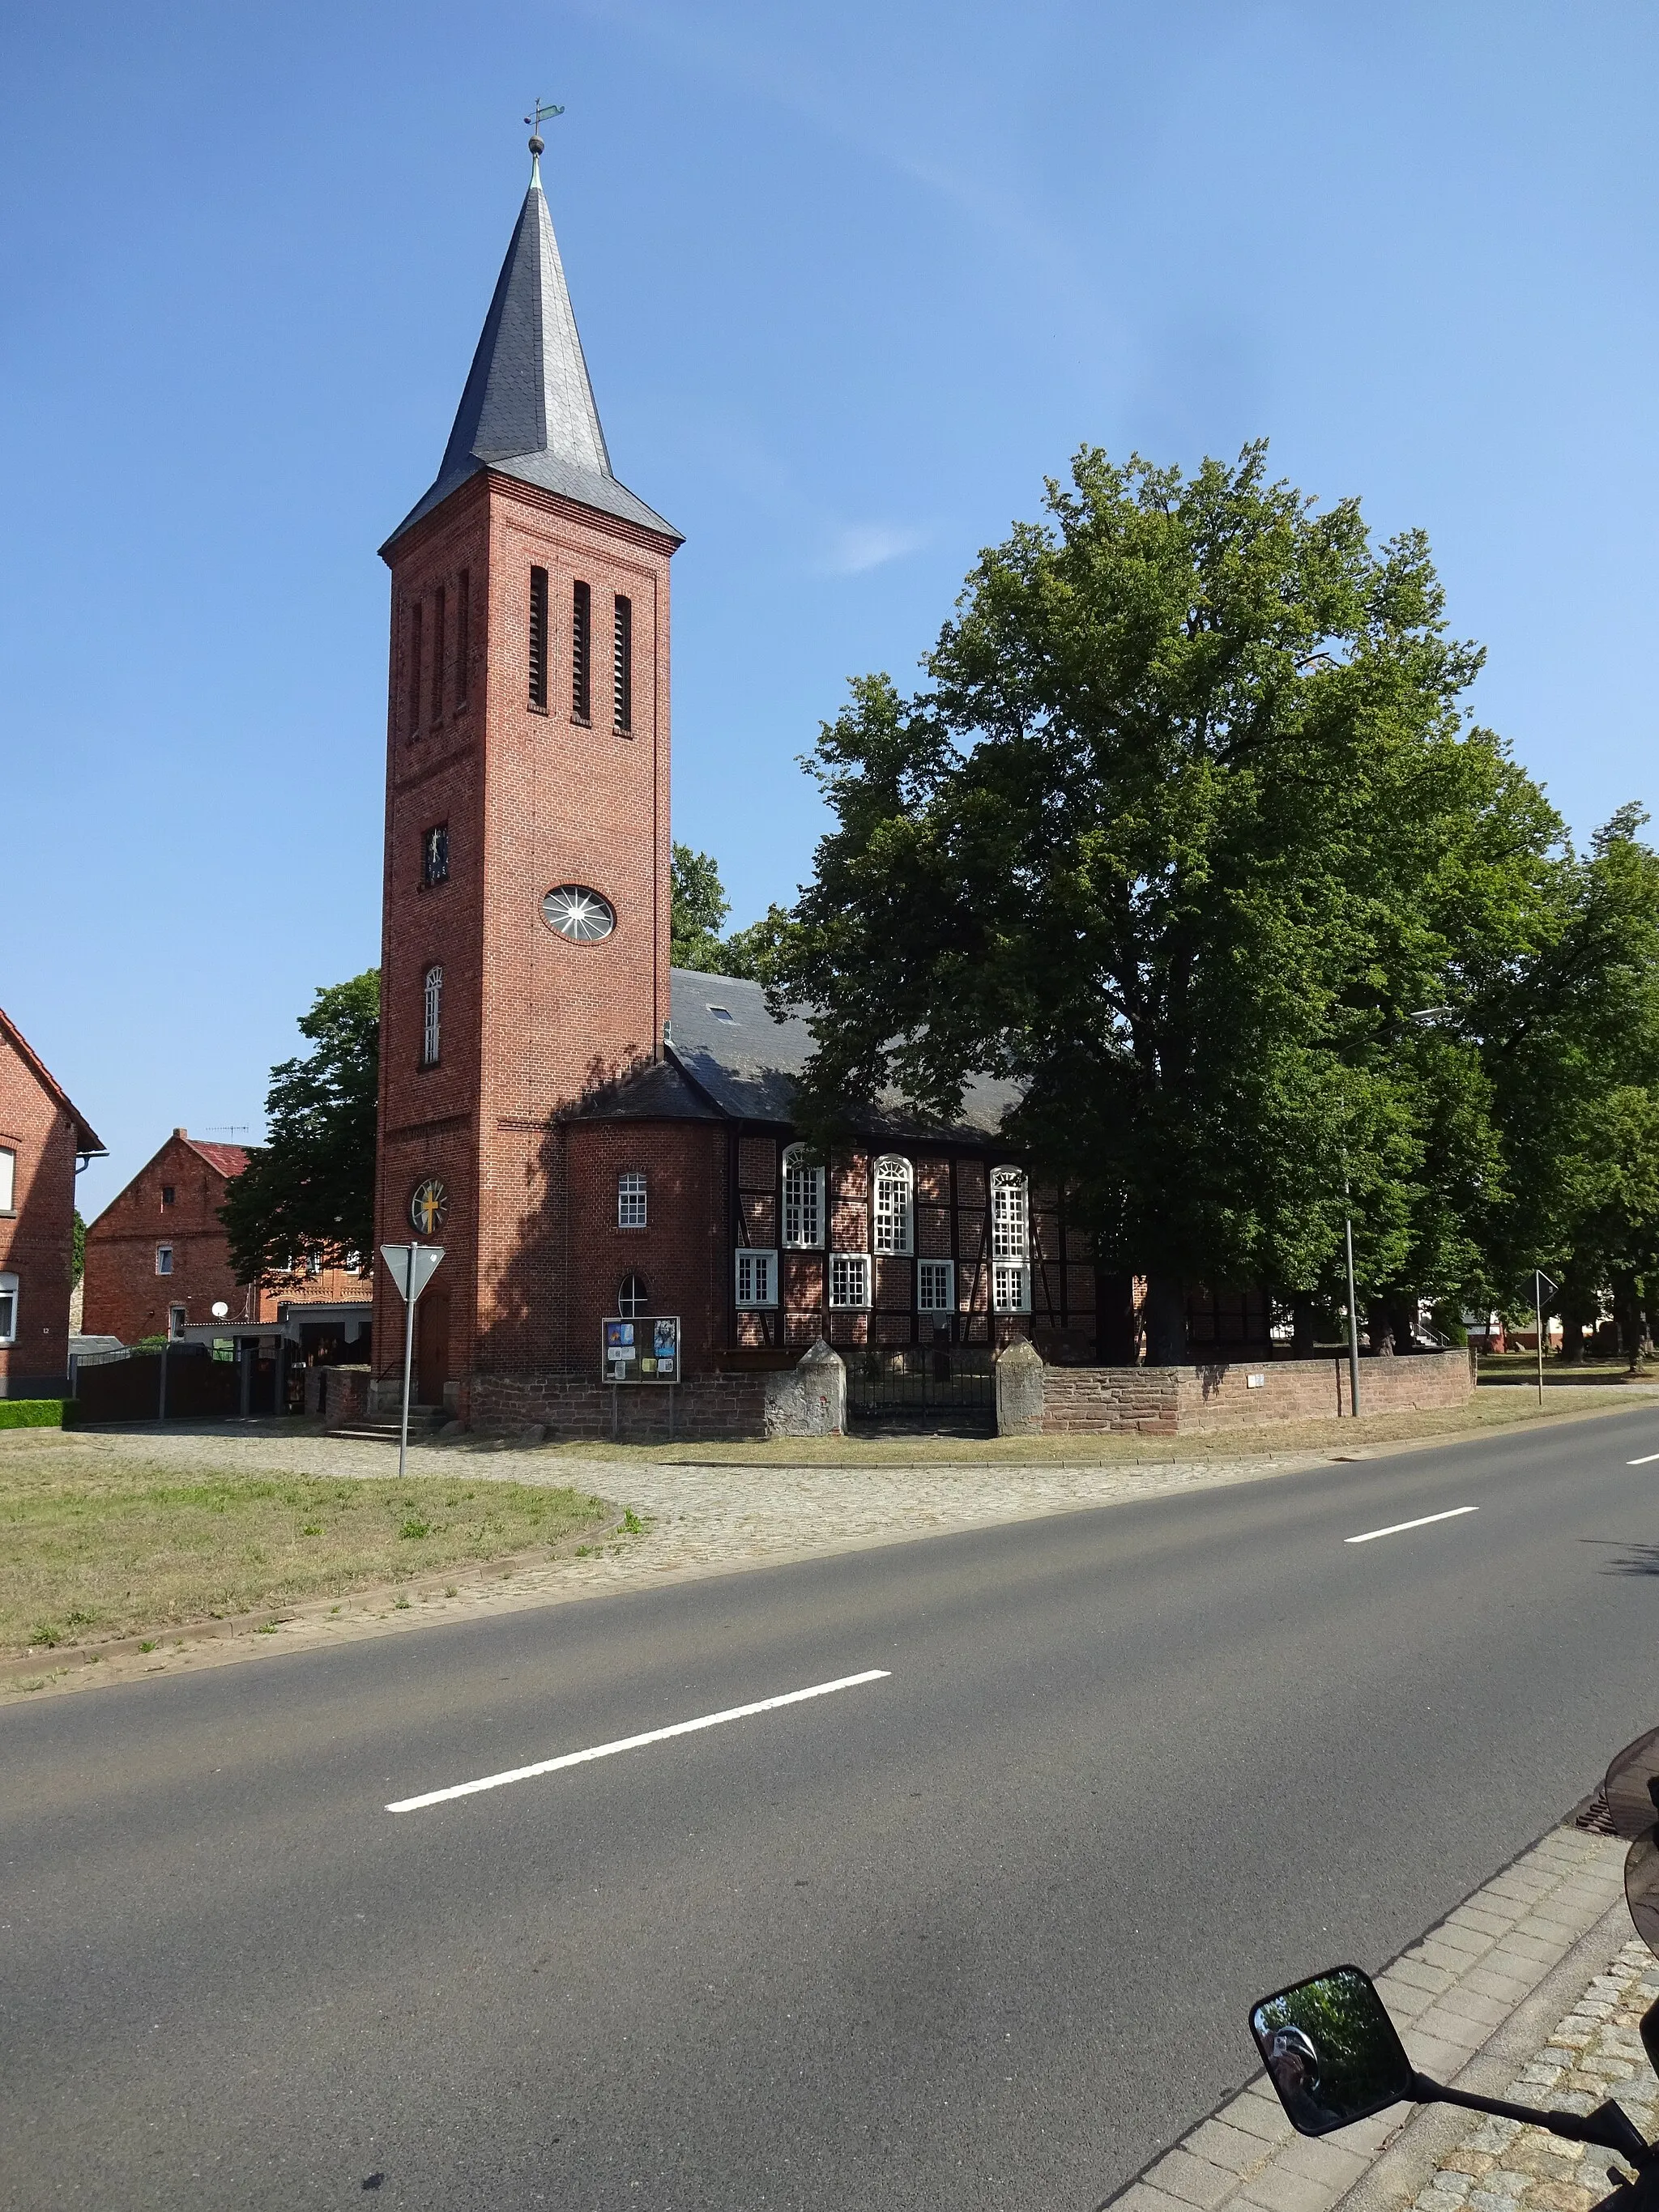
x: 1400, y: 1527
x: 633, y: 1742
x: 1646, y: 1460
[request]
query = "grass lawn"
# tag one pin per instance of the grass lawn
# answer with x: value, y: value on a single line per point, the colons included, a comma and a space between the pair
x: 93, y: 1546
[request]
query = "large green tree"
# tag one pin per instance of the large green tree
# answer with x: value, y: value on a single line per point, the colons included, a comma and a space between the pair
x: 309, y: 1190
x: 698, y: 906
x: 1190, y: 835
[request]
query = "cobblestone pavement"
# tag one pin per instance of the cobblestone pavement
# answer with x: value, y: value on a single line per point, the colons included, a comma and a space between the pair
x: 1594, y: 2052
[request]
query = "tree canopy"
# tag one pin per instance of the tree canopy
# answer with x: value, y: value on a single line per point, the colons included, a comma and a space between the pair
x: 308, y: 1192
x: 698, y: 906
x: 1191, y: 835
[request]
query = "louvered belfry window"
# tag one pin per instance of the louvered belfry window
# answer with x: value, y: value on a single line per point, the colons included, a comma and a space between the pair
x: 581, y: 653
x: 463, y: 633
x: 438, y: 610
x: 539, y: 640
x: 414, y: 668
x: 431, y: 1026
x: 624, y: 665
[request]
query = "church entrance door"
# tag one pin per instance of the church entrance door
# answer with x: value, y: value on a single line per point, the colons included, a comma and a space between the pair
x: 432, y: 1346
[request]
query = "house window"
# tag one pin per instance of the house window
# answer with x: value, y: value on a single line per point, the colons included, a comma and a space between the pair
x: 936, y: 1287
x: 8, y: 1180
x: 632, y: 1299
x: 8, y: 1308
x: 581, y: 652
x: 169, y: 1192
x: 1010, y: 1213
x: 756, y: 1278
x: 463, y: 633
x: 539, y: 640
x: 894, y: 1186
x: 802, y: 1201
x: 850, y: 1279
x: 440, y: 607
x: 313, y: 1263
x: 1011, y: 1287
x: 176, y: 1318
x: 624, y: 673
x: 432, y: 1032
x: 164, y: 1259
x: 631, y: 1201
x: 434, y: 855
x: 415, y: 669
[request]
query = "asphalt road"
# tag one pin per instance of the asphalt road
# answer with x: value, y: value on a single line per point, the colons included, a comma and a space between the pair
x: 978, y: 1934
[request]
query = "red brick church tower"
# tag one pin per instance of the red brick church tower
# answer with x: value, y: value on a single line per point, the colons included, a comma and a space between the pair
x: 525, y: 931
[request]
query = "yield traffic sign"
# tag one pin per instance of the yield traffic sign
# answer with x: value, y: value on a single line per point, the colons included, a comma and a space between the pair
x: 412, y: 1265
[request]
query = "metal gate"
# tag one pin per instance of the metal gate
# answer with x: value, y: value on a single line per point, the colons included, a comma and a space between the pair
x: 922, y: 1382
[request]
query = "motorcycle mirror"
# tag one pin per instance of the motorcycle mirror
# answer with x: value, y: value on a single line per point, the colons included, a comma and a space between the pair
x: 1631, y: 1786
x: 1331, y: 2050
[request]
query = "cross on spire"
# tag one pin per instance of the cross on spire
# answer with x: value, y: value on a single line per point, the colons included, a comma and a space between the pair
x: 541, y: 112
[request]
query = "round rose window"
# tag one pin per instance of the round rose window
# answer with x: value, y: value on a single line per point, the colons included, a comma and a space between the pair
x: 579, y: 914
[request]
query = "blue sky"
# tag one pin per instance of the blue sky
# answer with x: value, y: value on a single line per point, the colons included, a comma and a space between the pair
x: 852, y: 280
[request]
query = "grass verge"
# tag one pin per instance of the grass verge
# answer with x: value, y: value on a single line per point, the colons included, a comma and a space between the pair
x: 92, y: 1547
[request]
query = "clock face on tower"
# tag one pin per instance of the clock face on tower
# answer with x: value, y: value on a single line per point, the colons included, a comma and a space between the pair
x: 579, y: 914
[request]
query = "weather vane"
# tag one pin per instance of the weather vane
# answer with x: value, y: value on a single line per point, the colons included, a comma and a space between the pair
x: 543, y: 111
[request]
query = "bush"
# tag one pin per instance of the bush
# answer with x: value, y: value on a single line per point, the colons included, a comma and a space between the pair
x: 35, y: 1413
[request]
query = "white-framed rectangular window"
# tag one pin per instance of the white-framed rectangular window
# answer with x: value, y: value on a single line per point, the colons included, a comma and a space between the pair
x: 849, y: 1280
x: 177, y: 1317
x: 936, y: 1287
x: 630, y: 1200
x: 893, y: 1210
x: 1010, y: 1217
x: 8, y: 1180
x: 802, y: 1201
x: 1011, y: 1287
x: 164, y: 1259
x: 756, y: 1277
x: 8, y: 1308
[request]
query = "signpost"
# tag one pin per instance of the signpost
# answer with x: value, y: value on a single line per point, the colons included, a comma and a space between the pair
x: 413, y: 1267
x: 641, y: 1348
x: 1539, y: 1280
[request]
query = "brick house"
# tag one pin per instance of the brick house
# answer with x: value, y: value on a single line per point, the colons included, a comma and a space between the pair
x: 157, y: 1259
x: 44, y: 1139
x: 586, y: 1134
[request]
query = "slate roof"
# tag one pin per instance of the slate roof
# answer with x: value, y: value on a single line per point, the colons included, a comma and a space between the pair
x: 745, y: 1063
x: 527, y: 409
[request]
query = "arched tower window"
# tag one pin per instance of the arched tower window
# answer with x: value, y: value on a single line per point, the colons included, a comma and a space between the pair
x: 432, y: 1028
x: 803, y: 1200
x: 632, y: 1297
x: 895, y: 1210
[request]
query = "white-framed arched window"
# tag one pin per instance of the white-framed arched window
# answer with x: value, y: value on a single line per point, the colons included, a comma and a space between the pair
x: 802, y: 1201
x: 432, y: 1028
x: 893, y: 1207
x: 632, y: 1297
x: 1011, y: 1239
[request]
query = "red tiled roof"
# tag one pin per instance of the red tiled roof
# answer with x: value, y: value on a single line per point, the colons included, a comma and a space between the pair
x: 229, y: 1159
x: 86, y: 1138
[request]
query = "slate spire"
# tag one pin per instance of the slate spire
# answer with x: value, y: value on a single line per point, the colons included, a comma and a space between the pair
x: 527, y: 409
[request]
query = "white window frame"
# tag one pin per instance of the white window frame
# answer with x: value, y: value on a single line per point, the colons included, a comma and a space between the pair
x: 9, y: 1300
x: 943, y: 1274
x: 164, y: 1259
x: 850, y: 1276
x: 632, y: 1202
x: 1011, y: 1287
x: 631, y: 1305
x: 8, y: 1180
x: 893, y: 1206
x: 802, y: 1201
x: 432, y: 1032
x: 754, y: 1277
x: 1011, y: 1218
x: 177, y: 1316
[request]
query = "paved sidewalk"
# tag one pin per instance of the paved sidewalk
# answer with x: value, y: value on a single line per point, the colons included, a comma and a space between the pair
x: 1451, y: 1994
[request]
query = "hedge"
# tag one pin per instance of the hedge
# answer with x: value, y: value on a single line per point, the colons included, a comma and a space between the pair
x: 36, y: 1413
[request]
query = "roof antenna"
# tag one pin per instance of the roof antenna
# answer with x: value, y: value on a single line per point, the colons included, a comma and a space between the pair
x: 543, y: 111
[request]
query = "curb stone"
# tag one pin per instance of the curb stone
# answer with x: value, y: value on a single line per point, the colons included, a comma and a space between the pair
x: 1454, y: 1994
